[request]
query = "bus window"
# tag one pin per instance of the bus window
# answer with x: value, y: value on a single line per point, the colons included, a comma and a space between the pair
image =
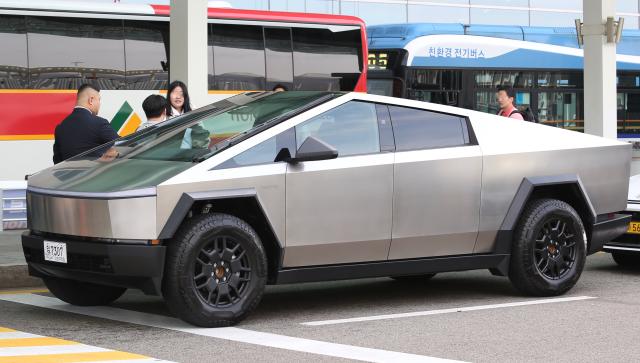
x: 382, y: 87
x: 486, y: 102
x: 279, y: 57
x: 493, y: 79
x: 628, y: 112
x: 437, y: 86
x: 146, y: 51
x: 560, y: 79
x: 238, y: 57
x: 325, y: 60
x: 13, y: 58
x: 67, y: 52
x: 561, y: 109
x: 633, y: 112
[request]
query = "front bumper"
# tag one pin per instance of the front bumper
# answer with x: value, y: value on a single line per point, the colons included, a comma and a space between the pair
x: 607, y: 228
x: 131, y: 266
x: 627, y: 242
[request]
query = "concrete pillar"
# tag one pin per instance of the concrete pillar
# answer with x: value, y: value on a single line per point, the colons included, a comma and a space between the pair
x: 188, y: 48
x: 600, y: 114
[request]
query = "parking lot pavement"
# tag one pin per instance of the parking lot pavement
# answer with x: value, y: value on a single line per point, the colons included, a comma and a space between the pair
x: 10, y: 248
x: 13, y: 268
x: 468, y: 316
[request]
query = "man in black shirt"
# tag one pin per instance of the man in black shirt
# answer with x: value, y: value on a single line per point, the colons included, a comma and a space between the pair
x: 82, y: 130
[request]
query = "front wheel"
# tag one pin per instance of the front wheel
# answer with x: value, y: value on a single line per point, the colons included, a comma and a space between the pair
x: 82, y: 293
x: 216, y: 271
x: 549, y: 249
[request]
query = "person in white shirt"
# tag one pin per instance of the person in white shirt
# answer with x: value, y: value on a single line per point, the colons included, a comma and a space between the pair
x: 178, y: 101
x: 155, y: 108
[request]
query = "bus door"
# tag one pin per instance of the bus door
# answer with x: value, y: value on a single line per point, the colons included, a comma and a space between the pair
x: 279, y: 57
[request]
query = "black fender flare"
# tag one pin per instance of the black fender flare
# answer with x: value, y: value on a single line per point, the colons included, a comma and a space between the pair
x: 186, y: 201
x: 274, y: 247
x: 504, y: 237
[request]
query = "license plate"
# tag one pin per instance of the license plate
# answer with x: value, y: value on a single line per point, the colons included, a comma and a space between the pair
x: 55, y: 251
x: 634, y: 227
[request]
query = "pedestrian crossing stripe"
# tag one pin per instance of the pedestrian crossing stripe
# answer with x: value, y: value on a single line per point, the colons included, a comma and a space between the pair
x: 21, y: 347
x: 33, y: 342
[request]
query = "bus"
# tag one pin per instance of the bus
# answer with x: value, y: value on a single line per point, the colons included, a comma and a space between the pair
x: 50, y: 48
x: 462, y: 65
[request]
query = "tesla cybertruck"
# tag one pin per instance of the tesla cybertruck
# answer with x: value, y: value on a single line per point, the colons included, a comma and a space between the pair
x: 276, y: 188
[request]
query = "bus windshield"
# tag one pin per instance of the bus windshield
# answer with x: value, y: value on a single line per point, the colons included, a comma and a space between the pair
x: 204, y: 132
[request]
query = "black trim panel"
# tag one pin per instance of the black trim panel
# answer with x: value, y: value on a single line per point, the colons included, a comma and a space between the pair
x: 497, y: 262
x: 504, y: 237
x: 186, y: 201
x: 130, y: 266
x: 607, y: 228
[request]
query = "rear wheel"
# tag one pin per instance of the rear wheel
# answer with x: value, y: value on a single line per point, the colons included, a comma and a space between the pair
x: 216, y: 271
x: 549, y: 249
x: 626, y: 260
x: 82, y: 293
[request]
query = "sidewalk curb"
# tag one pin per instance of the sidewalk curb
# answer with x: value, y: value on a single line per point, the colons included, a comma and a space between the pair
x: 17, y: 276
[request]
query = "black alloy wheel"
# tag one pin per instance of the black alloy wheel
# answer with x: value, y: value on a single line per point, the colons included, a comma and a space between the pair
x: 222, y: 272
x: 555, y: 248
x: 549, y: 248
x: 215, y: 271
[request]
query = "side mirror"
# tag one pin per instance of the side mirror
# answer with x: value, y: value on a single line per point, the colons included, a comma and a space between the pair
x: 314, y: 149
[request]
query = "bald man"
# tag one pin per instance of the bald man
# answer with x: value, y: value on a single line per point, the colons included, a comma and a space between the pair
x: 82, y: 130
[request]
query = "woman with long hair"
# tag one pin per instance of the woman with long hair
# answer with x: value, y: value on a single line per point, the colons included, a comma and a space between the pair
x: 178, y: 101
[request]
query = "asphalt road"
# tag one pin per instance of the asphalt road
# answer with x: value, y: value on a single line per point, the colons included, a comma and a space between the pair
x: 468, y: 316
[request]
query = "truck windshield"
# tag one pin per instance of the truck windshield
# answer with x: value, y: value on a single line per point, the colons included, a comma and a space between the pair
x: 201, y: 133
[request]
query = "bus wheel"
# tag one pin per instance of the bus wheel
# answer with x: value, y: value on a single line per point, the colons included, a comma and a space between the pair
x: 216, y: 271
x: 549, y: 249
x: 626, y: 260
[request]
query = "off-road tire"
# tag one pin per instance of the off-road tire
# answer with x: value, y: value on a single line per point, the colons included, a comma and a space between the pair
x: 534, y: 239
x: 194, y: 289
x: 82, y: 293
x: 413, y: 278
x: 627, y: 260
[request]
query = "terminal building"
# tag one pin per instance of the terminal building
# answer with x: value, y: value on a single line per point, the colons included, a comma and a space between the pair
x: 546, y: 13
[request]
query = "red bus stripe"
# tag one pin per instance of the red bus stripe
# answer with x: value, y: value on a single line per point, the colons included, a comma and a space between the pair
x: 241, y: 14
x: 33, y: 113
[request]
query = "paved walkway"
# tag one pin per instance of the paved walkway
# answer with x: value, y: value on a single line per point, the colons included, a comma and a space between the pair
x: 13, y: 268
x: 10, y: 248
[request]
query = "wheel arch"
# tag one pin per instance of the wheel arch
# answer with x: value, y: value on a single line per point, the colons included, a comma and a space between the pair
x: 241, y: 203
x: 567, y: 188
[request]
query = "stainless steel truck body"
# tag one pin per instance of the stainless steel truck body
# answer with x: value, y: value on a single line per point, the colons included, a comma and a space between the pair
x: 266, y: 188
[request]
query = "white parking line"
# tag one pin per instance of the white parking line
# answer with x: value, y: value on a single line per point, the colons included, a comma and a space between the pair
x: 17, y: 335
x: 233, y: 334
x: 446, y: 311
